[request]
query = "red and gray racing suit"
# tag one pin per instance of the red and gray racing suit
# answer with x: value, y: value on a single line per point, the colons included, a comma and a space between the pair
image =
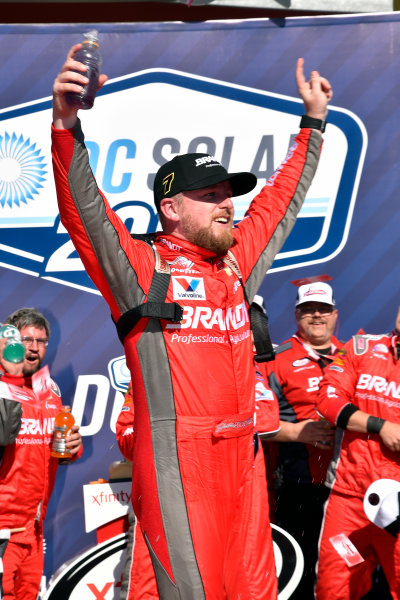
x: 193, y: 486
x: 367, y: 376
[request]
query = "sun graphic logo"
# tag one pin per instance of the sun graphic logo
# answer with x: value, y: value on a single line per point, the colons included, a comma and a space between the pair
x: 22, y: 170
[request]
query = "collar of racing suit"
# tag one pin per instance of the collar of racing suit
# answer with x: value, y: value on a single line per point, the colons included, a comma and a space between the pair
x: 312, y: 353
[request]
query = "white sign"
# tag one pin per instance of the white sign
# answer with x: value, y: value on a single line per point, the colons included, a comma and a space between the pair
x: 105, y: 502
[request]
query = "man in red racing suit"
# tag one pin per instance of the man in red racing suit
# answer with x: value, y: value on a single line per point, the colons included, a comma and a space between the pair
x: 27, y: 470
x: 360, y: 393
x: 193, y: 382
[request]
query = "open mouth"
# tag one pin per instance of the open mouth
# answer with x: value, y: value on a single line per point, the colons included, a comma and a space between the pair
x: 222, y: 220
x: 31, y: 358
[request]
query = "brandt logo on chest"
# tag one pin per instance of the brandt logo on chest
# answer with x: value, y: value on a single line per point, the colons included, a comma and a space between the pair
x: 36, y: 426
x: 379, y: 384
x: 194, y: 317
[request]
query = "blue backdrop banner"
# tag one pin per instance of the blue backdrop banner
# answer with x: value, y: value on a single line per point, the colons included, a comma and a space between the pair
x: 227, y: 88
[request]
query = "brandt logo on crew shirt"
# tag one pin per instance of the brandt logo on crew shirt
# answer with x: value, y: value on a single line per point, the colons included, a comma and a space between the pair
x: 188, y: 288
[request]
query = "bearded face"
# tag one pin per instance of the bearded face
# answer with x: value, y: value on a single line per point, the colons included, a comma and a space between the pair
x: 205, y: 237
x: 35, y: 341
x: 205, y: 217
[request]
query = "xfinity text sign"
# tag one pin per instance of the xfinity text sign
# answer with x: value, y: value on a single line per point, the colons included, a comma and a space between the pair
x: 139, y: 122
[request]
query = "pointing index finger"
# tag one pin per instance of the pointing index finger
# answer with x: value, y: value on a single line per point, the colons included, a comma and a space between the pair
x: 300, y: 79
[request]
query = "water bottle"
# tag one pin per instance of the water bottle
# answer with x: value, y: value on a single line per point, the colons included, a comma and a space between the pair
x: 14, y: 350
x: 90, y: 56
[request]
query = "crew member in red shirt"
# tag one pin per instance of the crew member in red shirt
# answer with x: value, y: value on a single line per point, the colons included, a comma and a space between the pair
x: 360, y: 393
x: 305, y: 443
x: 27, y: 471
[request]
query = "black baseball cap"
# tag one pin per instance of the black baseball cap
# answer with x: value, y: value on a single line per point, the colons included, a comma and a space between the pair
x: 195, y: 171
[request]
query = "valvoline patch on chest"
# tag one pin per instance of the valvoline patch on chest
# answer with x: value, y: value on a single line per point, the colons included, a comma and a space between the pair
x: 188, y: 288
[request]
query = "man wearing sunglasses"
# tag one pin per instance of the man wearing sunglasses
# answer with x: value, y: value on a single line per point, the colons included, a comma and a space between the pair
x: 27, y: 471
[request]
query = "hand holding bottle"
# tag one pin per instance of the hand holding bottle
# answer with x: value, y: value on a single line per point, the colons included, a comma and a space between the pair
x: 89, y: 55
x: 73, y: 441
x: 71, y: 78
x: 66, y: 437
x: 12, y: 350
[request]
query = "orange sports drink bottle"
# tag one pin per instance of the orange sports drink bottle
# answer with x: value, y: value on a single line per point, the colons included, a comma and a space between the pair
x: 62, y: 428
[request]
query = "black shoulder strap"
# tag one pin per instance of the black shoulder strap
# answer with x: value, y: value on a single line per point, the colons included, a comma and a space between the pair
x: 258, y: 319
x: 155, y: 307
x: 283, y: 347
x: 262, y: 340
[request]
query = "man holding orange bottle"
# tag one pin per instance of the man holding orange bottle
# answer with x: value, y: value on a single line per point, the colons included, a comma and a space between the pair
x: 27, y: 470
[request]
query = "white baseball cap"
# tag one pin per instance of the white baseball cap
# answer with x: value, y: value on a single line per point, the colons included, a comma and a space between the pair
x: 315, y: 292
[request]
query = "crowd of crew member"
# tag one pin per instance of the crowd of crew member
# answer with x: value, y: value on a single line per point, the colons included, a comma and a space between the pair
x: 303, y: 420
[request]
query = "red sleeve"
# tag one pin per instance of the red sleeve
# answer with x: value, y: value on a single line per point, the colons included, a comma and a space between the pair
x: 121, y: 268
x: 9, y: 379
x: 272, y: 214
